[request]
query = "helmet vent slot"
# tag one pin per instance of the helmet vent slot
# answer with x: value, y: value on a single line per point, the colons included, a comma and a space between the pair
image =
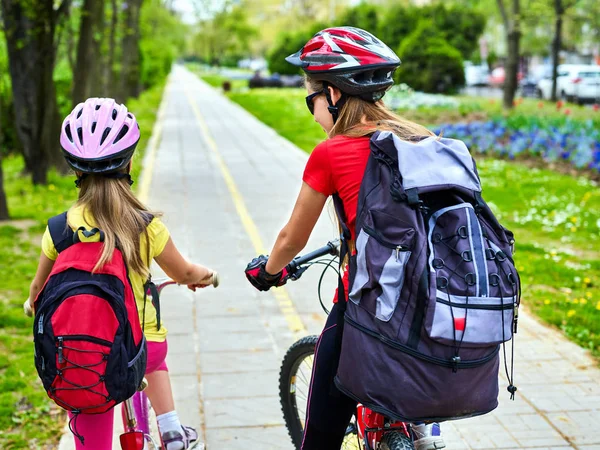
x: 94, y: 126
x: 104, y: 135
x: 79, y: 113
x: 114, y: 114
x: 68, y: 132
x: 80, y: 134
x: 122, y: 133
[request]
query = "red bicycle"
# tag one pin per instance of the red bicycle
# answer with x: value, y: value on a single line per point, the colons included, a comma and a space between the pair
x: 368, y: 430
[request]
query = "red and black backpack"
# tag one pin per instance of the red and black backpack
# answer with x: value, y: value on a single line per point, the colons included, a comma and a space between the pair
x: 90, y: 352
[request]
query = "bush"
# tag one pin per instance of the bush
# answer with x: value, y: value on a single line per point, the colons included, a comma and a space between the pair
x: 362, y: 16
x: 429, y: 63
x: 459, y: 25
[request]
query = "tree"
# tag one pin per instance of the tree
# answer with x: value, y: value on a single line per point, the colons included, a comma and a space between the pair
x: 87, y: 67
x: 3, y: 206
x: 130, y: 44
x: 110, y: 60
x: 512, y: 31
x: 430, y: 63
x: 362, y: 16
x: 30, y: 38
x: 560, y: 8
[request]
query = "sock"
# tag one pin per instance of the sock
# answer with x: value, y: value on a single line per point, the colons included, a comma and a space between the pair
x: 170, y: 422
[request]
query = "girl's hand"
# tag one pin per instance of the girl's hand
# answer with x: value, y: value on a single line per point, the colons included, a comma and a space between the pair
x: 212, y: 278
x: 28, y: 308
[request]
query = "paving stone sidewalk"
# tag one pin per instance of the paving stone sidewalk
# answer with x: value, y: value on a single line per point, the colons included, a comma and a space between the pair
x: 226, y: 344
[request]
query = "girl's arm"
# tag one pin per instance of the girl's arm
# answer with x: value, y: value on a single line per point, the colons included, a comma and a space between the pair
x: 44, y: 268
x: 178, y: 268
x: 294, y: 236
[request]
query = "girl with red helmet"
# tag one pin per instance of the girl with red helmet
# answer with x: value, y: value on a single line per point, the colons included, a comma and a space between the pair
x: 348, y: 71
x: 98, y: 140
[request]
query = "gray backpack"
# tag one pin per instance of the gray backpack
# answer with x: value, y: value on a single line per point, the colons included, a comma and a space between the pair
x: 434, y: 291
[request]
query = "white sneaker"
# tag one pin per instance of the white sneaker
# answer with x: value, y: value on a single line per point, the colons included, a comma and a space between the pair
x: 427, y: 436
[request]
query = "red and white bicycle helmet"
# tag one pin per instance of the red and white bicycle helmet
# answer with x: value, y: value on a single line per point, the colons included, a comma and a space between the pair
x: 99, y: 136
x: 351, y: 59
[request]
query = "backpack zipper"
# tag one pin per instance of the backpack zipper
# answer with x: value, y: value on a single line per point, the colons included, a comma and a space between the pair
x: 41, y: 324
x: 78, y: 337
x: 84, y: 337
x: 377, y: 236
x: 504, y: 307
x: 60, y: 351
x: 431, y: 359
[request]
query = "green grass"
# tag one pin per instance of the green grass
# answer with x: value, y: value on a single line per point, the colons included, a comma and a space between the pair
x: 284, y: 110
x: 28, y: 419
x: 555, y: 217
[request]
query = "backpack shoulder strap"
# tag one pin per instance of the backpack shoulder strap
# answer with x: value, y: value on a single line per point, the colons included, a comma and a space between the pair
x: 61, y: 234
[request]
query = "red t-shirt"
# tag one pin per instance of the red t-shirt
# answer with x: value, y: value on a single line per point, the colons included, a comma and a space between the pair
x: 337, y: 165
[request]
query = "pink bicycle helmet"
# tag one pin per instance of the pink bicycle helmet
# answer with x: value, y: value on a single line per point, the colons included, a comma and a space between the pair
x: 99, y: 136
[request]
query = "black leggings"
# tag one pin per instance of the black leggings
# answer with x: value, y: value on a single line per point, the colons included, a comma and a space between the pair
x: 329, y: 411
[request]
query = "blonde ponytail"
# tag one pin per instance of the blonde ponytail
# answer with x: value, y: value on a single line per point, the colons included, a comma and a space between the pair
x: 122, y: 218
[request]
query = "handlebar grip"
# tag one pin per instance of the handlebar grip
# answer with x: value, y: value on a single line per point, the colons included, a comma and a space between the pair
x: 330, y: 249
x: 27, y: 309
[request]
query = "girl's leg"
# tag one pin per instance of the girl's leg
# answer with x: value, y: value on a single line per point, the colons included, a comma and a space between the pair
x: 174, y: 435
x: 328, y: 411
x: 96, y: 430
x: 159, y: 392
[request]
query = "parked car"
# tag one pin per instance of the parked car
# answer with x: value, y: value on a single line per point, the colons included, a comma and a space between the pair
x: 497, y: 76
x: 528, y: 86
x: 476, y: 75
x: 275, y: 80
x: 575, y: 83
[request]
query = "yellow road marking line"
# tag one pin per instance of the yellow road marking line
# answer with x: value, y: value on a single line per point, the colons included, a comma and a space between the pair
x: 281, y: 295
x: 155, y: 139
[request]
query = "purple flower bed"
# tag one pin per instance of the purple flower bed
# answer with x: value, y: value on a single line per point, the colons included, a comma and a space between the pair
x: 576, y: 142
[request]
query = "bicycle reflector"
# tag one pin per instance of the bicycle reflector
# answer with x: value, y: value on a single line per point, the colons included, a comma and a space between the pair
x: 132, y: 440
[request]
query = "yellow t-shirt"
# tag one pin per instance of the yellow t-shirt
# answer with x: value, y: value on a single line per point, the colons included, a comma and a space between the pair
x: 159, y: 236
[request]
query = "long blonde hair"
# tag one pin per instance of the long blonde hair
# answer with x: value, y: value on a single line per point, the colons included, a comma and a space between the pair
x: 121, y: 216
x: 360, y: 118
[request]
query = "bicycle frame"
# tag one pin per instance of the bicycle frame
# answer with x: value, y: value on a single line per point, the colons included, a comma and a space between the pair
x: 372, y: 426
x: 135, y: 413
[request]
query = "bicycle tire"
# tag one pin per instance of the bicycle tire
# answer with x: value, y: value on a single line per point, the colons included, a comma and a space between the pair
x: 295, y: 355
x: 396, y: 441
x: 291, y: 361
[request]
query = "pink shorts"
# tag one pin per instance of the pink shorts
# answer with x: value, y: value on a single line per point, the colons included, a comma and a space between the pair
x: 157, y: 357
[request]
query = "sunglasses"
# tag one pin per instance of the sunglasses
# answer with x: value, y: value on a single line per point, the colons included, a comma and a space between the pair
x: 309, y: 101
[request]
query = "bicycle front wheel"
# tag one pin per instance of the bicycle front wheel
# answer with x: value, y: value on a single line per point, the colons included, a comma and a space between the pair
x: 294, y: 386
x: 396, y: 441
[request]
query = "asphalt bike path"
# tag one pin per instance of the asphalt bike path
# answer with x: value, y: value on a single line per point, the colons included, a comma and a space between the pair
x: 226, y: 184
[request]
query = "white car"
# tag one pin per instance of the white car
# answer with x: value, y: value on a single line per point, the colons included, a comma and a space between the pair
x: 575, y: 82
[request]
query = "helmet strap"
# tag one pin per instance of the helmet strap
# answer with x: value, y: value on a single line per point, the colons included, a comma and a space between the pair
x: 114, y: 175
x: 334, y: 108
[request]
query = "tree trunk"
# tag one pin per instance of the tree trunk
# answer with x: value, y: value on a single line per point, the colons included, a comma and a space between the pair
x: 130, y: 68
x: 109, y: 66
x: 85, y: 77
x: 29, y: 29
x: 556, y: 44
x: 3, y: 206
x: 512, y: 30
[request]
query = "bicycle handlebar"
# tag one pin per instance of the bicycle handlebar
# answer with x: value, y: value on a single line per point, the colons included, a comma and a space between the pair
x: 295, y: 267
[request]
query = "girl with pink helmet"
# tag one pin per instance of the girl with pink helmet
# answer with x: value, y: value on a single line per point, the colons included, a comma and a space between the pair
x: 98, y: 140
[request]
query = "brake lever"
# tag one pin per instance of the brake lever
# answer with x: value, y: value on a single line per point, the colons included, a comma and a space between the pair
x: 297, y: 273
